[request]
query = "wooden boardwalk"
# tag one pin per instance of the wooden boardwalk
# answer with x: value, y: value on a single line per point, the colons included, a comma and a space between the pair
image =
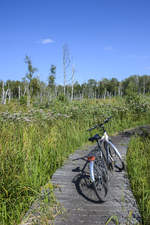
x: 81, y: 204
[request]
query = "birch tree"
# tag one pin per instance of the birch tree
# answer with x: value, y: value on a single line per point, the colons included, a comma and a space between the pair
x: 51, y: 79
x: 72, y: 82
x: 29, y: 76
x: 4, y: 94
x: 66, y: 63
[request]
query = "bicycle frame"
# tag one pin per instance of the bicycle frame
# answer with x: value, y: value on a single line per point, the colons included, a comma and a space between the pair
x: 104, y: 139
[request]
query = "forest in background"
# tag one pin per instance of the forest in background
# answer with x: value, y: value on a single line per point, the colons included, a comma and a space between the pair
x: 31, y: 87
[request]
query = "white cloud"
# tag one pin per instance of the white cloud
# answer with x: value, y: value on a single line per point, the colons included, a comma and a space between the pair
x: 147, y: 68
x: 135, y: 56
x: 108, y: 48
x: 47, y: 41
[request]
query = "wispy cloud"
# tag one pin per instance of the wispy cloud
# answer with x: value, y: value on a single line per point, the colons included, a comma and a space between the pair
x: 147, y: 68
x: 108, y: 48
x: 47, y: 41
x: 135, y: 56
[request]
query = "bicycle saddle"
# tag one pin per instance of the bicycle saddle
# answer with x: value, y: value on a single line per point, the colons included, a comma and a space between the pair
x: 96, y: 137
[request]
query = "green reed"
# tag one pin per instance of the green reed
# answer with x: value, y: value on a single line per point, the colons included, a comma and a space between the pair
x: 138, y: 165
x: 35, y: 142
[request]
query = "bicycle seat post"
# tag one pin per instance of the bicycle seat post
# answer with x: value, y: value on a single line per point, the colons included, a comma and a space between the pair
x: 103, y: 128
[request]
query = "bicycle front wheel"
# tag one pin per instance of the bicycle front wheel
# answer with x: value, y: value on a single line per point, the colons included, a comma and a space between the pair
x: 101, y: 180
x: 115, y: 157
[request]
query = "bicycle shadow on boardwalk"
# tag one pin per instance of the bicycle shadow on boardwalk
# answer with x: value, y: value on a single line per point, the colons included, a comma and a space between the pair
x: 84, y: 186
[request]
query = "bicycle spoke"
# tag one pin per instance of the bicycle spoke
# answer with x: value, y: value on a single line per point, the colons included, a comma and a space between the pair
x: 86, y: 188
x: 118, y: 163
x: 101, y: 180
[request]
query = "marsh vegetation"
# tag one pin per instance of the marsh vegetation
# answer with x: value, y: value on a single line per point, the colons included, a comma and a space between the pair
x: 35, y: 141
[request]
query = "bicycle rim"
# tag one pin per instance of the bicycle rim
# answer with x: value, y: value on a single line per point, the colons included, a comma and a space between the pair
x: 118, y: 163
x: 101, y: 180
x: 85, y: 188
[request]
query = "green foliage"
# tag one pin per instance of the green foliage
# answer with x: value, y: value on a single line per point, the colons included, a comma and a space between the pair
x: 34, y: 86
x: 31, y: 69
x: 137, y: 103
x: 27, y: 164
x: 138, y: 165
x: 51, y: 80
x: 62, y: 98
x: 105, y: 88
x: 35, y: 142
x: 23, y: 100
x: 113, y: 219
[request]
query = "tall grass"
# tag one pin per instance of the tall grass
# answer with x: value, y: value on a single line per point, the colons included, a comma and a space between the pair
x: 30, y: 152
x: 29, y: 156
x: 138, y: 165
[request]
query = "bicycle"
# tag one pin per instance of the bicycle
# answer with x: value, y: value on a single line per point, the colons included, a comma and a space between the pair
x: 104, y: 158
x: 109, y: 159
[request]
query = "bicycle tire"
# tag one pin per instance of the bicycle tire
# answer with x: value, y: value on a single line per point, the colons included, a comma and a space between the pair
x: 100, y: 184
x: 117, y: 161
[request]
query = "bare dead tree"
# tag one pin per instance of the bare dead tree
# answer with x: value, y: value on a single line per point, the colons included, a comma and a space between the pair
x: 4, y: 94
x: 72, y: 82
x: 19, y: 92
x: 5, y: 98
x: 28, y: 96
x: 9, y: 95
x: 66, y: 63
x: 144, y: 84
x: 120, y: 90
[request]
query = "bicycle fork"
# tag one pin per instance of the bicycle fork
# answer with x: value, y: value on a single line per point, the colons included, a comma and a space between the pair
x: 92, y: 171
x: 91, y: 160
x: 116, y: 150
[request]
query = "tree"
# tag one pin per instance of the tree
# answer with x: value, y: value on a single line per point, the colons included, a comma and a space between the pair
x: 77, y: 90
x: 29, y: 76
x: 66, y: 63
x: 13, y: 86
x: 92, y: 88
x: 144, y: 84
x: 31, y: 69
x: 34, y: 87
x: 103, y: 86
x: 130, y: 85
x: 72, y: 82
x: 52, y: 77
x: 113, y: 86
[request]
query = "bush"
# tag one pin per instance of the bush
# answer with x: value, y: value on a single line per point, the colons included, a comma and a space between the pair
x: 23, y: 100
x: 137, y: 103
x: 62, y: 98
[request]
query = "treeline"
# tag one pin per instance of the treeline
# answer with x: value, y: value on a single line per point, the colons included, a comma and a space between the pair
x: 32, y: 88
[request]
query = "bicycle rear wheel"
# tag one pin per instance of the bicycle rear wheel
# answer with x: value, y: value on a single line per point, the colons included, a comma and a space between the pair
x: 100, y: 184
x: 117, y: 161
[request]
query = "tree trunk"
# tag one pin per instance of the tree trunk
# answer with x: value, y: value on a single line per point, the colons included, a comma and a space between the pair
x: 72, y: 85
x: 28, y: 97
x: 9, y: 95
x: 4, y: 94
x: 19, y: 92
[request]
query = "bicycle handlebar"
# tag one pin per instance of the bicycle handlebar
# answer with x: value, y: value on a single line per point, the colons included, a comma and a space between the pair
x: 100, y: 125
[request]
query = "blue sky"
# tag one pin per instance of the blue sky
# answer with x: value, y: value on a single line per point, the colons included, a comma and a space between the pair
x: 105, y: 38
